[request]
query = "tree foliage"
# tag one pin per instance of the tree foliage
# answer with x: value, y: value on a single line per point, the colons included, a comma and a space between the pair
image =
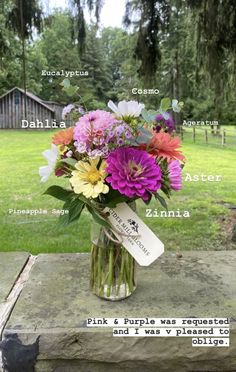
x: 78, y: 21
x: 153, y: 17
x: 31, y: 15
x: 188, y: 56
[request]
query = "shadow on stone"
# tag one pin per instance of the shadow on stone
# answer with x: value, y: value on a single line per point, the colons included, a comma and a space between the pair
x: 18, y: 357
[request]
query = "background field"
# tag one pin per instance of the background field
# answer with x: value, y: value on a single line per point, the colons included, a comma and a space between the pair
x: 207, y: 228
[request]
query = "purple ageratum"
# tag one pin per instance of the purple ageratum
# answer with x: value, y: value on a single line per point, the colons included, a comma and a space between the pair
x: 175, y: 176
x: 167, y: 123
x: 134, y: 173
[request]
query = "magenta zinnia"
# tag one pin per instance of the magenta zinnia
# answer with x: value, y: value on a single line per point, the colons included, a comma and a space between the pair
x: 175, y: 175
x: 132, y: 172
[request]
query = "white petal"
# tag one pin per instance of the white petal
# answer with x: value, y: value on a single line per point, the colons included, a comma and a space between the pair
x: 123, y: 108
x: 127, y: 108
x: 135, y: 108
x: 50, y: 156
x: 175, y: 105
x: 166, y: 115
x: 54, y: 149
x: 113, y: 107
x: 140, y: 109
x: 47, y: 154
x: 45, y: 172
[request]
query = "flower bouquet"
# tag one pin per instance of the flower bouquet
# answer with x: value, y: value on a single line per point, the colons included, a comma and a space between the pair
x: 111, y: 159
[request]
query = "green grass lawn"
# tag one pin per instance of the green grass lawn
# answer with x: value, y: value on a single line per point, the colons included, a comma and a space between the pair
x: 20, y: 157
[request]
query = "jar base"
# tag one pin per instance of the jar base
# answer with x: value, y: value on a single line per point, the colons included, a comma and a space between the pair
x: 123, y: 292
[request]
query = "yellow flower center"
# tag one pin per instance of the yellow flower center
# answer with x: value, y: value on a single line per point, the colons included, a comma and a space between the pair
x: 135, y: 168
x: 93, y: 176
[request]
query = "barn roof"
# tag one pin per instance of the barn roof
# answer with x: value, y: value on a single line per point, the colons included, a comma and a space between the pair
x: 30, y: 95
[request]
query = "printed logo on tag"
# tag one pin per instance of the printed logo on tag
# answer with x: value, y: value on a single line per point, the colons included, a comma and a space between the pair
x: 137, y: 238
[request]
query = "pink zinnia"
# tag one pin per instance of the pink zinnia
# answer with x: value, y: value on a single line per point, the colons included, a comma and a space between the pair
x: 90, y: 129
x: 133, y: 172
x: 175, y: 175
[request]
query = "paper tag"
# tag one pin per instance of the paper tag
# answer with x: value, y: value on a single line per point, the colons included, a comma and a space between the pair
x: 141, y: 243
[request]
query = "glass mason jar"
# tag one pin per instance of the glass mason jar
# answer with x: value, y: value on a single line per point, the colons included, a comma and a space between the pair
x: 113, y: 269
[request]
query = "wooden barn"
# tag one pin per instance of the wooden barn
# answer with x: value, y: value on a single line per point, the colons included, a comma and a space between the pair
x: 12, y: 109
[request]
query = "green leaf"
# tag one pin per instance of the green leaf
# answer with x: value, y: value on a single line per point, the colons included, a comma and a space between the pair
x: 145, y: 115
x: 161, y: 200
x: 59, y: 193
x: 133, y: 143
x: 148, y: 116
x: 71, y: 90
x: 75, y: 208
x: 144, y: 135
x: 69, y: 161
x: 149, y: 199
x: 119, y: 199
x: 113, y: 198
x: 166, y: 191
x: 145, y: 132
x: 97, y: 218
x: 152, y: 114
x: 165, y: 104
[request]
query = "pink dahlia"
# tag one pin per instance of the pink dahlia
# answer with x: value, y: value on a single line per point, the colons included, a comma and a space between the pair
x: 175, y: 175
x: 90, y: 131
x: 133, y: 172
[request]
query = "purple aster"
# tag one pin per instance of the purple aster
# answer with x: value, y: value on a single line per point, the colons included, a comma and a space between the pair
x: 119, y: 130
x: 175, y: 175
x: 167, y: 124
x: 120, y: 141
x: 128, y: 134
x: 133, y: 172
x: 67, y: 110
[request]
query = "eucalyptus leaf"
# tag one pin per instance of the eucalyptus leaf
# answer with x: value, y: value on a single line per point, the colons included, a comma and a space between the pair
x: 142, y: 139
x: 152, y: 114
x: 146, y: 132
x: 165, y: 104
x: 65, y: 83
x: 149, y: 116
x: 133, y: 143
x: 145, y: 115
x: 71, y: 90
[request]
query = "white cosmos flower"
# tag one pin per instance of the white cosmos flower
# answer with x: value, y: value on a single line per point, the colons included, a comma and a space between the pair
x: 51, y: 157
x: 126, y: 108
x: 176, y: 105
